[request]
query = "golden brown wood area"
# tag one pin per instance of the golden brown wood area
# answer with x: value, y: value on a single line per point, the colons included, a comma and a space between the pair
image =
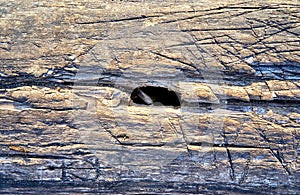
x: 150, y: 97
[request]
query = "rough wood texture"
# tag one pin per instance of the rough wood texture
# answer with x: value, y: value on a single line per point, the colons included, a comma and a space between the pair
x: 67, y: 123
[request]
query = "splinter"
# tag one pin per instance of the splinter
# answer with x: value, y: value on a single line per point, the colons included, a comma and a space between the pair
x: 147, y: 100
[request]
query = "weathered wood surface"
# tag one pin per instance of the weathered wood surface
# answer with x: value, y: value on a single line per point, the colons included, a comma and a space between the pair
x: 68, y: 68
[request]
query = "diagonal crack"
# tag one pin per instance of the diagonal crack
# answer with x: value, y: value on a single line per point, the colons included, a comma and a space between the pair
x: 280, y: 158
x: 142, y: 17
x: 276, y: 154
x: 176, y: 60
x: 232, y: 174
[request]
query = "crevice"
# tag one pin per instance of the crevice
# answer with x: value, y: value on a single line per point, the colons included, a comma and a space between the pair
x: 223, y: 29
x: 208, y: 12
x: 58, y: 144
x: 192, y: 17
x: 232, y: 175
x: 279, y: 30
x: 34, y: 155
x: 227, y: 145
x: 275, y: 102
x: 276, y: 154
x: 280, y: 159
x: 177, y: 60
x: 63, y: 171
x: 142, y: 17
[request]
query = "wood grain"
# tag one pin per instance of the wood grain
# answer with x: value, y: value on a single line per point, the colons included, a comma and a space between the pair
x: 68, y: 124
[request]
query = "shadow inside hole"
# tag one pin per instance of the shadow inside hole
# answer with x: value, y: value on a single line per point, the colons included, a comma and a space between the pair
x: 155, y: 95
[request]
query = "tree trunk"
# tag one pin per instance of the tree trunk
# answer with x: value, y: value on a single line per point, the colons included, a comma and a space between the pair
x: 150, y: 96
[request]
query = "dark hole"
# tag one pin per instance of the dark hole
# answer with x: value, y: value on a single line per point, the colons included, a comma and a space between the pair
x: 151, y: 95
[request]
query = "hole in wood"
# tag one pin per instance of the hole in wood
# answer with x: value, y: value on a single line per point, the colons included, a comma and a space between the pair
x: 155, y: 95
